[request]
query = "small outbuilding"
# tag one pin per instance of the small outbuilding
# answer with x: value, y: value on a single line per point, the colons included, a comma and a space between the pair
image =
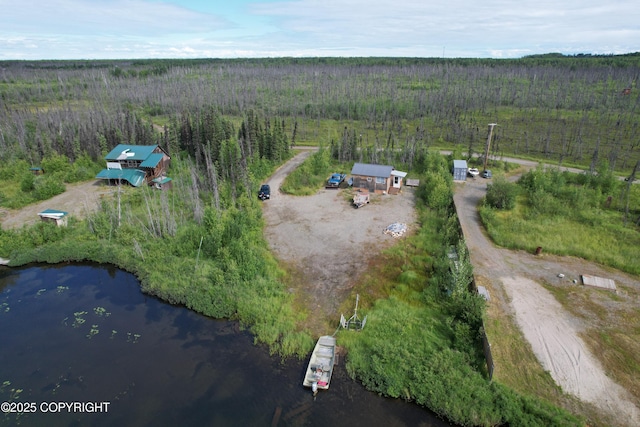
x: 460, y: 170
x: 396, y: 181
x: 162, y: 183
x: 53, y: 215
x: 376, y: 178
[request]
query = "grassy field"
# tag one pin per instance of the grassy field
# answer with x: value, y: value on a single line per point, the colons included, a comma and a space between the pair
x: 568, y: 218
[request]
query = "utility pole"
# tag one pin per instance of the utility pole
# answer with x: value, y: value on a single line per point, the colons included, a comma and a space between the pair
x: 486, y: 151
x: 630, y: 180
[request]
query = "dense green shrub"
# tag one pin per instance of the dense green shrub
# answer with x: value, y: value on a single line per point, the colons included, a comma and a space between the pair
x: 47, y: 186
x: 542, y: 180
x: 320, y: 161
x: 438, y: 191
x: 10, y: 170
x: 56, y: 164
x: 27, y: 183
x: 501, y: 194
x: 83, y: 169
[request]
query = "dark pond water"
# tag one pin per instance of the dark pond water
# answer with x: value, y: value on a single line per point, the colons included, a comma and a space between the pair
x: 86, y: 334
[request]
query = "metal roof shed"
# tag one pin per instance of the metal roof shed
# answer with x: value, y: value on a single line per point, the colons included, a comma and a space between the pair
x: 54, y: 215
x: 162, y: 183
x: 459, y: 170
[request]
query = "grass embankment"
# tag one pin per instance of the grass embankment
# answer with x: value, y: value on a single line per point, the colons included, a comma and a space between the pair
x: 420, y: 346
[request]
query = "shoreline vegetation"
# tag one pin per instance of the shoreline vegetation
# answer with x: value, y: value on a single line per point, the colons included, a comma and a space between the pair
x: 229, y: 124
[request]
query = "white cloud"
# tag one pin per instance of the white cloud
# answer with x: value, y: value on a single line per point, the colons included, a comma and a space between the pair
x: 117, y: 17
x: 493, y: 25
x: 32, y: 29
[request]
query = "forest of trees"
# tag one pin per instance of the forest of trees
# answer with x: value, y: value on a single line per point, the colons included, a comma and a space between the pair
x: 564, y: 109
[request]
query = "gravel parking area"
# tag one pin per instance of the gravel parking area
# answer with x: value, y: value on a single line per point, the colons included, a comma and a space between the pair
x: 327, y: 240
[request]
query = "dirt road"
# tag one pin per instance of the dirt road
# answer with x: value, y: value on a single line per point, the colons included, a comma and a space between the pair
x: 327, y: 240
x: 552, y: 332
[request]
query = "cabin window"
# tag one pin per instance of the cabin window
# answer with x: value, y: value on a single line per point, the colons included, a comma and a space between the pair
x: 131, y: 164
x: 380, y: 180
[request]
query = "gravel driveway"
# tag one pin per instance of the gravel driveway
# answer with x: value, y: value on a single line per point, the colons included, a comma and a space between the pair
x: 327, y: 241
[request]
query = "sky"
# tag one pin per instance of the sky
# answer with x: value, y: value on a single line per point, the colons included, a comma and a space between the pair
x: 132, y: 29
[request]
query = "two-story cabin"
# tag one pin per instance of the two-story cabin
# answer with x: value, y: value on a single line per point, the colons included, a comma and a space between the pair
x: 135, y: 164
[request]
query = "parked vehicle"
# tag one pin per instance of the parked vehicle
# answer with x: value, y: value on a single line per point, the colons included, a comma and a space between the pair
x: 473, y: 172
x: 487, y: 174
x: 265, y: 192
x: 335, y: 180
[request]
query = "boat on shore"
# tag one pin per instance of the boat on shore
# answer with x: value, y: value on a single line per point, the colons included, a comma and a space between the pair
x: 318, y: 374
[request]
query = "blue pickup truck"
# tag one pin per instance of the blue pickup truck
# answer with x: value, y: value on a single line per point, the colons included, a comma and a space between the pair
x: 335, y: 180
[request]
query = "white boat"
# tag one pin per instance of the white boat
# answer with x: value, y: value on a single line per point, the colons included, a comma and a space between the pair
x: 318, y: 374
